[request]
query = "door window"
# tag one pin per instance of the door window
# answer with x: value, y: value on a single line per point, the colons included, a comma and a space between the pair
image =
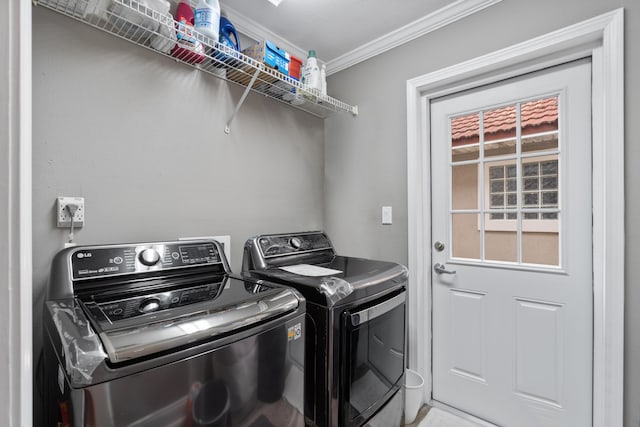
x: 505, y: 184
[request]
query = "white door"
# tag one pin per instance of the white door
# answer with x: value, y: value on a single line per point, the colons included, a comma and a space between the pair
x: 512, y: 235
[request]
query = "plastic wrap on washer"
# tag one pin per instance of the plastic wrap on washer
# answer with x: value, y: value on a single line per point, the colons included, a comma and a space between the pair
x: 335, y: 289
x: 405, y: 273
x: 82, y: 348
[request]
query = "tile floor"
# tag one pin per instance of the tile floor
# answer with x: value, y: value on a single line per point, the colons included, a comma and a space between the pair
x: 435, y: 417
x: 421, y: 414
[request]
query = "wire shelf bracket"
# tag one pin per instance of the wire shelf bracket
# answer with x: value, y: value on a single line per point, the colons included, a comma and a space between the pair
x: 227, y: 129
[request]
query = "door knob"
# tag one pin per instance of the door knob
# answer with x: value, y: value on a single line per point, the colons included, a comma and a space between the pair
x: 438, y: 246
x: 440, y: 269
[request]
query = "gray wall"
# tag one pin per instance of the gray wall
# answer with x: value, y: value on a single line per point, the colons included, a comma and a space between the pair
x: 141, y: 138
x: 365, y: 158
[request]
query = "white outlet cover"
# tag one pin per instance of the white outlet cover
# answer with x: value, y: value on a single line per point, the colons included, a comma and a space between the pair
x: 62, y: 216
x: 225, y: 241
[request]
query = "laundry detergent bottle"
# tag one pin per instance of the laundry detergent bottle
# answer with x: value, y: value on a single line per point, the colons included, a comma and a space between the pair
x: 229, y: 39
x: 206, y: 18
x: 311, y: 72
x: 187, y: 47
x: 228, y: 35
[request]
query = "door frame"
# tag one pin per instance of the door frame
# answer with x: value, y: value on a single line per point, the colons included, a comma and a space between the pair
x: 16, y: 370
x: 602, y: 39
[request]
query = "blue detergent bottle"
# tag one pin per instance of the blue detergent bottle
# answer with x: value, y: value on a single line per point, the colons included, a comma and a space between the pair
x: 229, y: 38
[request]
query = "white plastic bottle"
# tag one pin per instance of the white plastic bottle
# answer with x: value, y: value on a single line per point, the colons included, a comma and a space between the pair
x: 323, y: 79
x: 311, y: 72
x: 206, y: 18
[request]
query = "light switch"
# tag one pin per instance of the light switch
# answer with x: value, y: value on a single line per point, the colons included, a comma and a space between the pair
x: 387, y: 215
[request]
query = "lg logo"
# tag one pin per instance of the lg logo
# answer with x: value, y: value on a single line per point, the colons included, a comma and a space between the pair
x: 84, y: 254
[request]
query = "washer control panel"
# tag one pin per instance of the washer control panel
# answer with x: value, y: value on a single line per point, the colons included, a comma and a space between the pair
x: 106, y: 261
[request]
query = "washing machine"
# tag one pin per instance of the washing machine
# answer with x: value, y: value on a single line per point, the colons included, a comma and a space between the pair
x: 162, y: 334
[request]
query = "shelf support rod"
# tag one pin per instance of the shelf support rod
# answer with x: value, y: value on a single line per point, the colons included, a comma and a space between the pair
x: 227, y: 129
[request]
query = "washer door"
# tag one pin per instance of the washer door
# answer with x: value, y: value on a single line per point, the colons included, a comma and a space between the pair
x: 257, y: 380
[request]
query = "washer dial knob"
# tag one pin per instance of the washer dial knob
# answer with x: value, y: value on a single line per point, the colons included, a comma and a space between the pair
x: 149, y: 257
x: 149, y: 305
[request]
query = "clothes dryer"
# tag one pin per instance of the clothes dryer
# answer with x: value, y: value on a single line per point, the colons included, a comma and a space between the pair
x: 355, y: 342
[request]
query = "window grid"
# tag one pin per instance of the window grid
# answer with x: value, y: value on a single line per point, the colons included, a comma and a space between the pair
x: 539, y: 190
x: 510, y: 198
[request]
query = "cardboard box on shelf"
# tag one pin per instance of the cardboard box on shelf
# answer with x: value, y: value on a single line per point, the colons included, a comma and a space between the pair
x: 271, y: 55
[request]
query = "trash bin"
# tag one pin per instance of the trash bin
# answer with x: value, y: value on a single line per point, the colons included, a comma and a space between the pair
x: 413, y: 384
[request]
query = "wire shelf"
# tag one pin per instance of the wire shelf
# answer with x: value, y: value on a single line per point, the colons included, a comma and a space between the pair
x: 134, y: 21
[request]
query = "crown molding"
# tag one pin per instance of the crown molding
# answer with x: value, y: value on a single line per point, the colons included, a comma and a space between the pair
x: 438, y: 19
x: 258, y: 32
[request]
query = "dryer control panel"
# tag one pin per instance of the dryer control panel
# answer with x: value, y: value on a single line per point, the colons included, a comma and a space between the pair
x: 289, y: 244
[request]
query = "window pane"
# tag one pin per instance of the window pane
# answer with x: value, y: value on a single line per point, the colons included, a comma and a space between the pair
x: 540, y: 143
x: 501, y: 245
x: 550, y: 198
x: 466, y: 236
x: 541, y: 248
x: 512, y: 200
x: 496, y: 172
x: 511, y: 185
x: 497, y: 201
x: 497, y: 186
x: 540, y: 190
x: 549, y: 168
x: 531, y: 184
x: 539, y: 124
x: 550, y: 215
x: 465, y: 137
x: 497, y: 216
x: 511, y: 171
x: 530, y: 169
x: 500, y: 131
x: 549, y: 182
x: 464, y: 187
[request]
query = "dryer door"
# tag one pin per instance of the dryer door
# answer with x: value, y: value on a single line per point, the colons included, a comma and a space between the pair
x: 373, y: 361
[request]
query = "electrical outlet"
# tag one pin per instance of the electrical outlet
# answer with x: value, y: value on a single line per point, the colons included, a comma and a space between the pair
x: 63, y: 218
